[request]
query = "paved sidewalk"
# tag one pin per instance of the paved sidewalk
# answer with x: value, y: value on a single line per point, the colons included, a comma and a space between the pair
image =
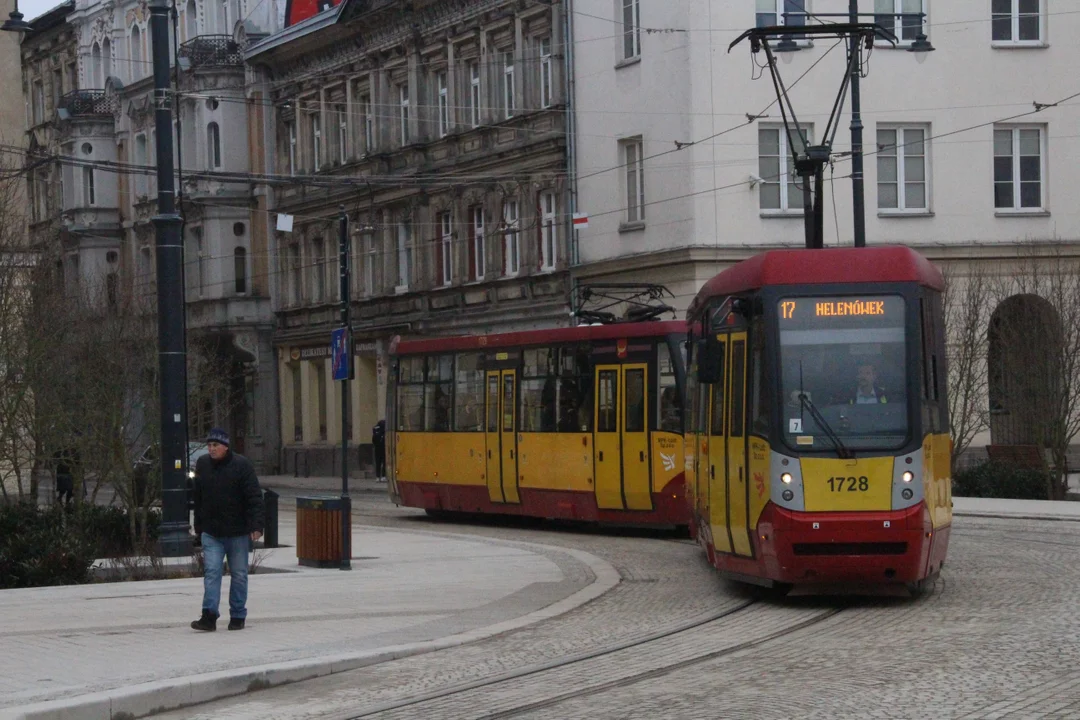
x: 1017, y: 509
x: 93, y: 651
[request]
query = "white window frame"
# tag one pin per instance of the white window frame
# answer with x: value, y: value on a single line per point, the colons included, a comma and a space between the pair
x: 444, y: 105
x: 509, y: 99
x: 1014, y: 31
x: 296, y: 290
x: 478, y: 240
x: 787, y: 173
x: 213, y: 145
x: 631, y: 157
x: 777, y: 8
x: 89, y: 187
x: 369, y: 262
x: 548, y: 236
x: 901, y: 180
x: 316, y: 140
x: 403, y: 105
x: 318, y: 271
x: 896, y: 24
x: 547, y: 88
x: 475, y: 96
x: 631, y: 33
x: 369, y: 123
x: 343, y: 132
x: 142, y: 161
x: 446, y: 246
x: 404, y: 256
x: 511, y: 237
x: 1016, y: 208
x: 291, y: 127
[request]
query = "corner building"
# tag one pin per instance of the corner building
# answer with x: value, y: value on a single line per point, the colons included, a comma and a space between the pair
x: 440, y: 128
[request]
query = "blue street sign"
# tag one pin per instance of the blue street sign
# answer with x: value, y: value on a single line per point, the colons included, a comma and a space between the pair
x: 339, y: 345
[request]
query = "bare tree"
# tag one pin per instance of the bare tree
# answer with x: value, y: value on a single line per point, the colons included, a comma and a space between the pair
x: 967, y: 305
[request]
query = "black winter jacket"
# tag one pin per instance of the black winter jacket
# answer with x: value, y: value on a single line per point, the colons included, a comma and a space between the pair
x: 228, y: 500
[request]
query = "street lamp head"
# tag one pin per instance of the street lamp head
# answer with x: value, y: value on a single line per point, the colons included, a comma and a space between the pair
x: 921, y: 46
x: 787, y: 49
x: 15, y: 22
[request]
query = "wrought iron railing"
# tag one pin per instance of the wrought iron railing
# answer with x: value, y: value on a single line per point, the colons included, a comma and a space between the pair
x: 212, y: 51
x: 88, y: 102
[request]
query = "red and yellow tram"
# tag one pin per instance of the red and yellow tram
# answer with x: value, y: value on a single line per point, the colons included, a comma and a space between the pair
x: 581, y: 423
x: 817, y: 444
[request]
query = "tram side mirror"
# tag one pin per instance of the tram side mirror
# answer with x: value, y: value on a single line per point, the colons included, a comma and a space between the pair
x: 710, y: 359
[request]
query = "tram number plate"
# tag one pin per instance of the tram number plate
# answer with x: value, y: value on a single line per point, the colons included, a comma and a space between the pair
x: 849, y: 484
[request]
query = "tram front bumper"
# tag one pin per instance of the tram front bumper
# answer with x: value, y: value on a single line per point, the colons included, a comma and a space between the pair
x: 821, y: 547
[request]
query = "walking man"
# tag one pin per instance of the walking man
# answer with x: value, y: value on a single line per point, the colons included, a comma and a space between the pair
x: 378, y: 443
x: 228, y: 518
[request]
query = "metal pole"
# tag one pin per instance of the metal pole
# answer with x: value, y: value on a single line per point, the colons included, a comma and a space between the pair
x: 174, y: 538
x: 857, y: 191
x: 343, y: 265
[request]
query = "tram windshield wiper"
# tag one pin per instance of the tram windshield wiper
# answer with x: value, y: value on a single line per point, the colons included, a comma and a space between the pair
x: 841, y: 450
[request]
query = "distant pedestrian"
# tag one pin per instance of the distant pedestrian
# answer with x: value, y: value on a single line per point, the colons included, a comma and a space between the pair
x: 378, y: 442
x: 228, y: 518
x: 64, y: 469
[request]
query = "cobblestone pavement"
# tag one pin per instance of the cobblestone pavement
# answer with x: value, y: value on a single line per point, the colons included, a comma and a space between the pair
x: 997, y: 637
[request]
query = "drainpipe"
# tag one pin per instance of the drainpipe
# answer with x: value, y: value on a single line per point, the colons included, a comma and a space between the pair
x: 571, y: 142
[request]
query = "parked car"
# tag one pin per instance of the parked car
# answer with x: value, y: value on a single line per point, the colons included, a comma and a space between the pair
x: 148, y: 459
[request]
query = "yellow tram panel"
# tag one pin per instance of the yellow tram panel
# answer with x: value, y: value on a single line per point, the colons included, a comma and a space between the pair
x: 937, y: 478
x: 556, y: 461
x: 759, y: 479
x: 856, y: 484
x: 667, y: 459
x: 445, y: 458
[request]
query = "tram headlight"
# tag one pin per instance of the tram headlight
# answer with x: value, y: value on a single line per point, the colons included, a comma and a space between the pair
x: 907, y: 493
x: 908, y: 476
x: 788, y: 495
x: 786, y: 478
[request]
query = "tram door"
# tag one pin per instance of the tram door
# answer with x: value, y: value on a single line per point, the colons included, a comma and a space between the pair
x: 714, y: 447
x: 621, y: 443
x: 728, y: 497
x: 502, y: 475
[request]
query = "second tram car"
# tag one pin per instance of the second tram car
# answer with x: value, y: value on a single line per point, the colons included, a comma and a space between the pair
x: 581, y: 423
x: 817, y: 447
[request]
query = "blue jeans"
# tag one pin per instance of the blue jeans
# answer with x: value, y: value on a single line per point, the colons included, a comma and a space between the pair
x: 215, y: 551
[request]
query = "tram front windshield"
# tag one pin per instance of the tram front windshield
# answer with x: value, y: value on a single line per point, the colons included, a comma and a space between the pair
x: 842, y: 372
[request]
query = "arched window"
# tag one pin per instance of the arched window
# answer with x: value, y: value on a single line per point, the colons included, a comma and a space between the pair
x: 223, y: 17
x: 191, y: 20
x: 137, y: 54
x: 213, y: 145
x: 106, y: 60
x: 240, y: 270
x: 95, y: 67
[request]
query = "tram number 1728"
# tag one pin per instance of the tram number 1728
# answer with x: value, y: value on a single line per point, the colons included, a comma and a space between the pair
x: 859, y: 484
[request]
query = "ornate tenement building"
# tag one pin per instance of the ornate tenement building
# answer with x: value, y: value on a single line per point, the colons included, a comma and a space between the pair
x: 440, y: 127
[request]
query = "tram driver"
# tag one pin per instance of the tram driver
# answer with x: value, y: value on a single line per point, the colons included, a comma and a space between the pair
x: 867, y: 391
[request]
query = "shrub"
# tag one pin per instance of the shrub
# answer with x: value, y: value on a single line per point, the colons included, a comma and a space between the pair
x: 41, y: 546
x: 108, y: 529
x: 997, y: 480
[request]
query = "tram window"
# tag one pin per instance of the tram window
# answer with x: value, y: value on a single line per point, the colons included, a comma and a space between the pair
x: 493, y: 403
x: 738, y: 382
x: 575, y: 407
x: 717, y: 424
x: 635, y: 401
x: 412, y: 370
x: 438, y: 393
x: 508, y: 403
x: 539, y: 400
x: 411, y: 408
x: 669, y: 408
x: 468, y: 394
x: 607, y: 418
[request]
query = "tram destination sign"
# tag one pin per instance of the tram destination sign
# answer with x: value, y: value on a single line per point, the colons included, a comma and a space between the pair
x: 839, y: 311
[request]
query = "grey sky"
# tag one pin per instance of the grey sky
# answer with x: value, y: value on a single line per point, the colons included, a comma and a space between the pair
x: 33, y: 8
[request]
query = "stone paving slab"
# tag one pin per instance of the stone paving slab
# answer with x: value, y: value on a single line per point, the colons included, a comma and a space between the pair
x: 92, y: 651
x: 1018, y: 509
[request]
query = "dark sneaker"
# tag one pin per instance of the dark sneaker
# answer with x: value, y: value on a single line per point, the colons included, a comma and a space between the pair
x: 236, y: 623
x: 207, y: 623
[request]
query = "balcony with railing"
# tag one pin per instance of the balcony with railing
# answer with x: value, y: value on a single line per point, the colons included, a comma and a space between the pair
x: 86, y: 103
x: 212, y: 51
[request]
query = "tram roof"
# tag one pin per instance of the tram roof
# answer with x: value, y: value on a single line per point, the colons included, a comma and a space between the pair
x: 820, y: 267
x: 554, y: 336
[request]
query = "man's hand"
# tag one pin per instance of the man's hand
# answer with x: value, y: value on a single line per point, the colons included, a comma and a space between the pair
x: 256, y: 536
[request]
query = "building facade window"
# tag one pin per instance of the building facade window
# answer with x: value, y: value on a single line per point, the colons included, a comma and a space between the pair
x: 95, y: 67
x: 780, y: 12
x: 444, y: 106
x: 477, y: 249
x: 777, y: 188
x: 141, y: 162
x: 631, y: 28
x: 316, y: 141
x: 240, y: 270
x: 511, y: 238
x: 1019, y: 168
x: 547, y: 231
x: 200, y: 261
x: 903, y: 169
x: 370, y: 258
x: 1016, y: 22
x: 213, y: 146
x: 343, y: 132
x: 546, y: 82
x: 318, y: 271
x: 509, y: 101
x: 634, y: 167
x: 403, y: 113
x: 89, y: 191
x: 369, y: 123
x: 446, y: 248
x: 404, y: 254
x: 191, y: 19
x: 290, y: 128
x: 901, y: 17
x: 137, y: 54
x: 38, y: 102
x: 474, y: 93
x: 295, y: 291
x: 57, y: 87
